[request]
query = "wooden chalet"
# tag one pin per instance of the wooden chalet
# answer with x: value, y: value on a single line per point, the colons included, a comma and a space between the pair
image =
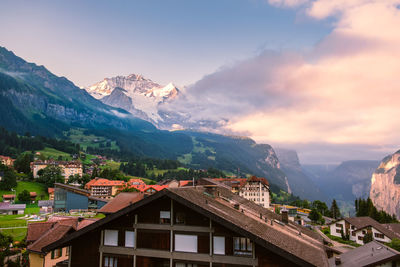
x: 193, y: 226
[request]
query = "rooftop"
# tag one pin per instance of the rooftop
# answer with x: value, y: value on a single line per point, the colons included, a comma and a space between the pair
x: 371, y: 254
x: 264, y: 227
x: 121, y: 201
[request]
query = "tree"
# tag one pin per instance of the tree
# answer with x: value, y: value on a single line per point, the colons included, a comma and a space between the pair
x: 50, y: 175
x: 321, y: 207
x: 22, y: 163
x: 367, y: 238
x: 24, y: 196
x: 9, y: 179
x: 335, y: 211
x: 315, y: 216
x: 394, y: 244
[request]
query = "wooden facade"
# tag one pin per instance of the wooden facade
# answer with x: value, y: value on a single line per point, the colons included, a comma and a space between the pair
x: 155, y: 241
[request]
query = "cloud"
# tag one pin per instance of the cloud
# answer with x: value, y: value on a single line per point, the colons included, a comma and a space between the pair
x: 344, y: 91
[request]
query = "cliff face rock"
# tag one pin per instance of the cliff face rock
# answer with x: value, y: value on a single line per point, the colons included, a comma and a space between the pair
x: 297, y: 180
x: 385, y: 185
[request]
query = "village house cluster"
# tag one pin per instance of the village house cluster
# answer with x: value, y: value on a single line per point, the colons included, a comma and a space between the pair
x: 68, y: 168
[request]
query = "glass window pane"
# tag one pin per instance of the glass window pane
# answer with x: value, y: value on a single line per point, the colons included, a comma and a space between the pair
x: 129, y: 239
x: 219, y: 245
x: 186, y: 243
x: 236, y: 243
x: 165, y: 215
x: 111, y: 237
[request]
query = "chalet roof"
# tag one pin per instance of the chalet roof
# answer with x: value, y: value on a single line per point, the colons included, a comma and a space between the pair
x: 45, y: 233
x: 371, y: 254
x: 291, y: 241
x: 8, y: 196
x: 121, y: 201
x: 136, y: 181
x: 53, y: 234
x: 36, y: 230
x: 33, y: 194
x: 103, y: 182
x: 394, y: 227
x: 363, y: 222
x: 9, y: 206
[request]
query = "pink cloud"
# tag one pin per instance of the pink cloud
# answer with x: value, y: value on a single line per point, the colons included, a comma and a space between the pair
x: 346, y: 90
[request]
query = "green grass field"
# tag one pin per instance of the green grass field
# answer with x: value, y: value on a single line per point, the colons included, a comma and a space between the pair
x: 54, y: 154
x: 11, y: 221
x: 113, y: 164
x: 40, y: 189
x: 77, y: 136
x: 17, y: 234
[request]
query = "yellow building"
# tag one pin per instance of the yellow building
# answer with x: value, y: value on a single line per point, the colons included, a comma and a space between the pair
x: 41, y: 234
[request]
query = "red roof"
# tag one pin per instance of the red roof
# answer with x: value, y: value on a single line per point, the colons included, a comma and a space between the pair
x: 121, y: 201
x: 184, y: 182
x: 104, y: 182
x: 32, y: 194
x: 145, y: 188
x: 8, y: 196
x: 50, y: 190
x: 45, y: 233
x: 136, y: 181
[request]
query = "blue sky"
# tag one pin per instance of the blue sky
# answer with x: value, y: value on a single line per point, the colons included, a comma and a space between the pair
x: 168, y: 41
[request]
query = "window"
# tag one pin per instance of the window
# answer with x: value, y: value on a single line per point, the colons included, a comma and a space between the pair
x: 242, y: 246
x: 110, y: 261
x: 339, y: 225
x: 363, y: 232
x: 165, y: 217
x: 338, y: 231
x: 360, y: 238
x: 180, y: 218
x: 186, y: 243
x: 219, y: 245
x: 55, y: 254
x: 111, y: 237
x: 379, y: 235
x: 129, y: 239
x: 353, y: 233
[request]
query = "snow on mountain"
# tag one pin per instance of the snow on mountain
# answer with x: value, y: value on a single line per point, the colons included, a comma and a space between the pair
x: 140, y: 96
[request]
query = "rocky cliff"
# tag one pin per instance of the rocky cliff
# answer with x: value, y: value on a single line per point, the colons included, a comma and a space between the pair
x: 385, y: 185
x: 298, y: 181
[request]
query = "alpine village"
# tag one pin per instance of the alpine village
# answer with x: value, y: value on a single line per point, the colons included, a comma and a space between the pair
x: 276, y: 144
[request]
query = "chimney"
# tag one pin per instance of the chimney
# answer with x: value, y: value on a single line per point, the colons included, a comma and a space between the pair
x: 337, y: 260
x: 285, y: 216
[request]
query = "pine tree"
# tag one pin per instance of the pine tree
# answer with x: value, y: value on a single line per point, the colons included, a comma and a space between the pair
x: 335, y: 211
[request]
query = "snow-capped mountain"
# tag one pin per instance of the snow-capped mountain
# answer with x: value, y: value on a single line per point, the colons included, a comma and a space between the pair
x: 140, y: 96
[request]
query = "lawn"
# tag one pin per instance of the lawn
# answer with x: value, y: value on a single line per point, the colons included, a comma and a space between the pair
x: 11, y: 221
x: 17, y: 234
x: 347, y: 242
x: 113, y: 164
x: 77, y: 135
x: 54, y: 154
x: 39, y: 188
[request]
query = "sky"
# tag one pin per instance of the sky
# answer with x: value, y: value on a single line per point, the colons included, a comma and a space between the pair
x: 318, y: 76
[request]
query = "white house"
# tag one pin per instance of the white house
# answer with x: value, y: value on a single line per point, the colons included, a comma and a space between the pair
x: 257, y: 190
x: 357, y: 227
